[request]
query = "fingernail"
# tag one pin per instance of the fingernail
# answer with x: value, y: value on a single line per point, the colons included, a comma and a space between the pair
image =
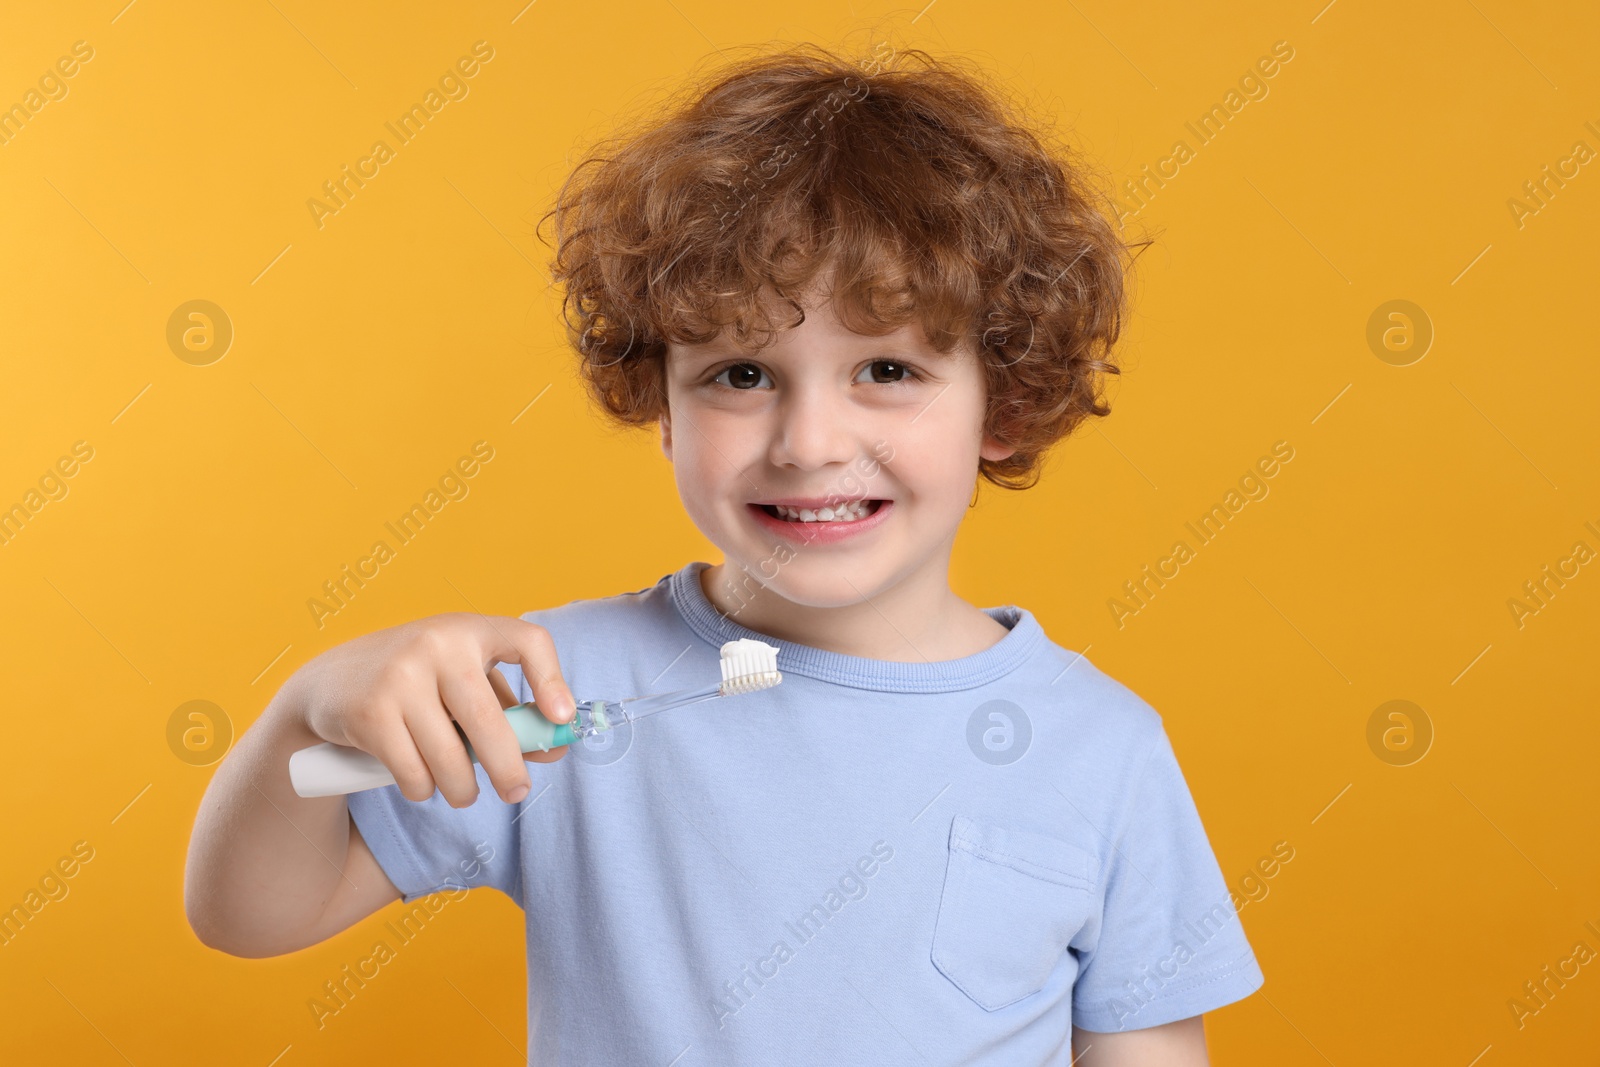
x: 516, y: 795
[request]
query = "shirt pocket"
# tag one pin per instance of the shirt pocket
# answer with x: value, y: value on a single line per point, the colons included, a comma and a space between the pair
x: 1012, y: 903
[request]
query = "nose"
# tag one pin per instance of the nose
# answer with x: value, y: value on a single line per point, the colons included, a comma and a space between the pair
x: 817, y: 426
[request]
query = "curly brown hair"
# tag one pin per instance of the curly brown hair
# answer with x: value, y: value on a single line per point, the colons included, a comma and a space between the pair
x: 909, y: 187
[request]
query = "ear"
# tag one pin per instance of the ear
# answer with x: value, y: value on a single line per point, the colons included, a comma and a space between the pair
x: 666, y: 437
x: 993, y: 451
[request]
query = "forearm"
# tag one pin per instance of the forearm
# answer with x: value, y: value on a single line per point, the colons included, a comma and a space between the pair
x: 263, y: 861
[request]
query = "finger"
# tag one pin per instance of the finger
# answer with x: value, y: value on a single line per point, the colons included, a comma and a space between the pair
x: 549, y: 756
x: 502, y: 688
x: 531, y: 647
x: 436, y: 738
x: 473, y: 701
x: 397, y: 750
x: 509, y: 699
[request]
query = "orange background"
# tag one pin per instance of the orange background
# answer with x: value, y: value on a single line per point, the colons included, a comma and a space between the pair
x: 370, y: 353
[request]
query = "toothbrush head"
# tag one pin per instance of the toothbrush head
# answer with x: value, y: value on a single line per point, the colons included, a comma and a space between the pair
x: 749, y: 666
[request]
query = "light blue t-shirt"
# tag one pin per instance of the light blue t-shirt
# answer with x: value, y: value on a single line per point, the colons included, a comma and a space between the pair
x: 872, y: 862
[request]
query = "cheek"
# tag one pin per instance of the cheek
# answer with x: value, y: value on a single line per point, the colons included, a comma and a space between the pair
x: 708, y: 456
x: 933, y: 450
x: 701, y: 498
x: 696, y: 478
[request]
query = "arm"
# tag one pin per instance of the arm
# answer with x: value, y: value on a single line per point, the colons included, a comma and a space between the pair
x: 1175, y: 1044
x: 270, y: 871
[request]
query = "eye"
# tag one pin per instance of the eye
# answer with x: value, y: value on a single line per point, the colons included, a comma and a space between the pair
x: 893, y: 371
x: 743, y: 376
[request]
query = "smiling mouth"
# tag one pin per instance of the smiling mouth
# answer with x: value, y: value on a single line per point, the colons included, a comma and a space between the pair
x: 846, y: 513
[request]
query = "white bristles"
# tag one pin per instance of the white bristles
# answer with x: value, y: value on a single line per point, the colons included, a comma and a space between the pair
x: 748, y: 666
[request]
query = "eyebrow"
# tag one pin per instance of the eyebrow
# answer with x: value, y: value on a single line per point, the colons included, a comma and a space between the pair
x: 723, y: 348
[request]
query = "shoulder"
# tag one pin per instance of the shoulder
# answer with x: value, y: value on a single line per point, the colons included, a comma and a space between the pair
x: 591, y: 635
x: 1102, y: 714
x: 616, y: 608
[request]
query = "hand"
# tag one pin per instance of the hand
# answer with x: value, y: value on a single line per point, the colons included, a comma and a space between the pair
x: 394, y: 692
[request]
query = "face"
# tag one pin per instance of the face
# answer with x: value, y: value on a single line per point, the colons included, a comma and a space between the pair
x: 824, y: 417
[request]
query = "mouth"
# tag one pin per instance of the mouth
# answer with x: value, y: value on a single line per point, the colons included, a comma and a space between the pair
x: 839, y: 513
x: 823, y: 523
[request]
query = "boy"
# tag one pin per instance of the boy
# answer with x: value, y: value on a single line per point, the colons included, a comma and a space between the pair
x: 843, y: 291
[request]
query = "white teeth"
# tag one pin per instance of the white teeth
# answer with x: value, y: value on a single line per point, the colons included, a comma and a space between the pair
x: 851, y: 512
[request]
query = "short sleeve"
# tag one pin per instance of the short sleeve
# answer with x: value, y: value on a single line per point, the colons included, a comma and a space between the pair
x: 1171, y: 945
x: 427, y: 846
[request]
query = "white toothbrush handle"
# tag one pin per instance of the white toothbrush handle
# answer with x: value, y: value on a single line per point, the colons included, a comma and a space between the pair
x: 328, y: 770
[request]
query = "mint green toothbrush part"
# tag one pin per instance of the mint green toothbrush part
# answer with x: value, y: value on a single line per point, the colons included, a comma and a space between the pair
x: 747, y: 665
x: 535, y: 733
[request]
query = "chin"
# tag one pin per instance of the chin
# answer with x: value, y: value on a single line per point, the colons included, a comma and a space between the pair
x: 819, y: 583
